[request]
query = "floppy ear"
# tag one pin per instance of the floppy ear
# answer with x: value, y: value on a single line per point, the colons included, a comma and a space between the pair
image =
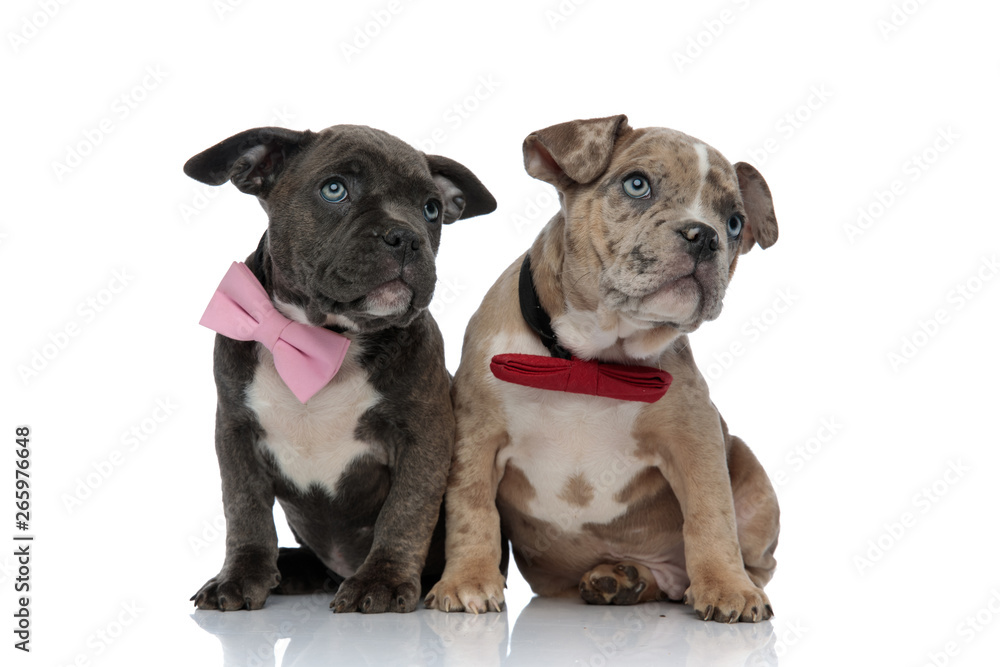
x: 462, y: 194
x: 579, y: 150
x: 761, y: 225
x: 252, y: 160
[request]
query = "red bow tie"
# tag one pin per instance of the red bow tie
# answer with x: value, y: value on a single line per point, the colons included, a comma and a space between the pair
x: 564, y: 372
x: 577, y: 376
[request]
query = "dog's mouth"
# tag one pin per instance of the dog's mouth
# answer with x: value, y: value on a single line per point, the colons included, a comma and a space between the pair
x: 687, y: 286
x: 682, y: 296
x: 390, y: 298
x: 676, y: 300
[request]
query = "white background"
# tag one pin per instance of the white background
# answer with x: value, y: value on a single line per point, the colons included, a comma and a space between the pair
x: 833, y: 102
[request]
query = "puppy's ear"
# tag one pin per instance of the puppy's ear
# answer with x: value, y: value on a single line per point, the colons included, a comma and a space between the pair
x: 252, y: 160
x: 761, y: 225
x: 462, y: 193
x: 578, y: 151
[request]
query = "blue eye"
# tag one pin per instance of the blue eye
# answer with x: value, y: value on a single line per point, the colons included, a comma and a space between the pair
x: 735, y: 225
x: 636, y: 186
x: 334, y: 192
x: 431, y: 211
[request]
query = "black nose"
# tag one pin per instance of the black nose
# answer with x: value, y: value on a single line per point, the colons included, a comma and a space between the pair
x: 402, y: 238
x: 702, y: 241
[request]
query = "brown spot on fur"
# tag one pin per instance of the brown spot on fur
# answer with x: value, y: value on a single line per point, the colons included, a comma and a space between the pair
x: 715, y: 179
x: 642, y: 261
x: 580, y: 149
x: 725, y: 203
x: 577, y: 491
x: 515, y: 487
x: 632, y: 526
x: 644, y: 484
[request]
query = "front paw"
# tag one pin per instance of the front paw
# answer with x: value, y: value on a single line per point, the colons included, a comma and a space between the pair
x: 474, y: 593
x: 237, y: 588
x: 373, y: 592
x: 728, y: 600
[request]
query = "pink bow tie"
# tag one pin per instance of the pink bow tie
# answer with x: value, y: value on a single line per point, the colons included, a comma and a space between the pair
x: 577, y: 376
x: 305, y: 357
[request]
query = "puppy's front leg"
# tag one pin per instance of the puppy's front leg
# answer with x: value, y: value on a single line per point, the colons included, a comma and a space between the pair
x: 389, y: 579
x: 472, y: 580
x: 250, y: 569
x: 720, y: 588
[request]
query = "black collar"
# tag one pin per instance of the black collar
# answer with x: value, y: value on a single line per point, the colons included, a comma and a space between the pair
x: 535, y: 315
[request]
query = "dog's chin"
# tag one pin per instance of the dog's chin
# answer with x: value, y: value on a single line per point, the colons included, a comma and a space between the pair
x: 389, y: 299
x: 676, y: 301
x: 683, y: 303
x: 391, y: 304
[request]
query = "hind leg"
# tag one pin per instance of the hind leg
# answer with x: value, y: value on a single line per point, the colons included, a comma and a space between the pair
x: 619, y: 583
x: 303, y: 573
x: 756, y: 512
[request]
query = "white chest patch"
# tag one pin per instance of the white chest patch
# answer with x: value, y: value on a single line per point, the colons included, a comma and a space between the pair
x: 581, y: 331
x: 593, y: 333
x: 576, y: 451
x: 313, y: 443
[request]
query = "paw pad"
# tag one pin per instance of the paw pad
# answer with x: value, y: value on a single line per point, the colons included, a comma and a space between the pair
x: 620, y: 584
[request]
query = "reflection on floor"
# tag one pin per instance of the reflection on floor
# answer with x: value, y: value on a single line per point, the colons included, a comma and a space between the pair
x: 300, y: 631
